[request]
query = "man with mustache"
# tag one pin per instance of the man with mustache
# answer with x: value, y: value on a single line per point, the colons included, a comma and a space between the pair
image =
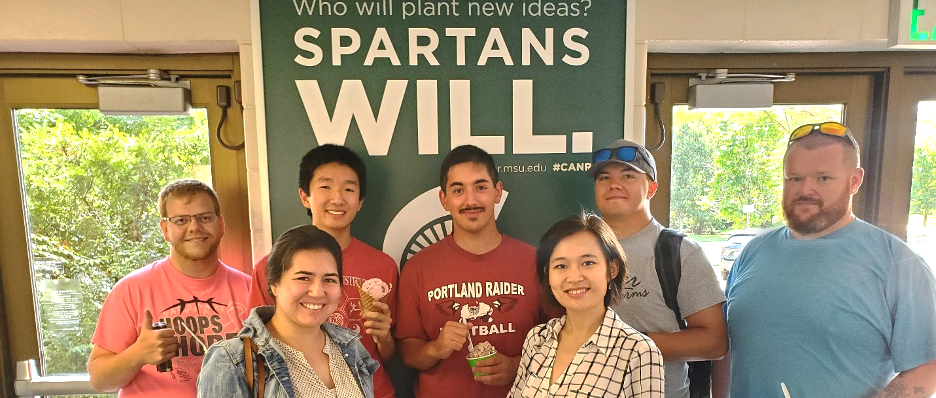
x: 471, y: 286
x: 200, y: 299
x: 829, y: 305
x: 625, y: 181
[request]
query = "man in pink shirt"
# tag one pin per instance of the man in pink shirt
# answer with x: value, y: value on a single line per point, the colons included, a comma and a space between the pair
x: 200, y: 299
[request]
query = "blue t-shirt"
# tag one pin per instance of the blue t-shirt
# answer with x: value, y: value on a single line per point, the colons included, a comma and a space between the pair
x: 830, y: 317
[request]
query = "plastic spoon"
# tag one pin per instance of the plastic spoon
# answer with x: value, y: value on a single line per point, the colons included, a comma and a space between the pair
x: 786, y: 393
x: 470, y: 345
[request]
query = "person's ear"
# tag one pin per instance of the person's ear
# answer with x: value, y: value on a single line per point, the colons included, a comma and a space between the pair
x: 304, y: 198
x: 442, y: 199
x: 651, y: 188
x: 855, y: 181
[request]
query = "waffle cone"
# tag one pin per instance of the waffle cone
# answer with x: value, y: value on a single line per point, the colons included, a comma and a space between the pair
x: 367, y: 301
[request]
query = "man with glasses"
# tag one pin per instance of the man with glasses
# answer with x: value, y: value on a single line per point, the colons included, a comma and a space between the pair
x: 198, y: 299
x: 625, y: 181
x: 829, y: 305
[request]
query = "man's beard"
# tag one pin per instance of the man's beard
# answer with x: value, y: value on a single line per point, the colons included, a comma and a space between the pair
x: 825, y: 217
x: 198, y: 253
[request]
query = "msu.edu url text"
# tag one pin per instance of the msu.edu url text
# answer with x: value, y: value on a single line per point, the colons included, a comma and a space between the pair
x: 540, y: 168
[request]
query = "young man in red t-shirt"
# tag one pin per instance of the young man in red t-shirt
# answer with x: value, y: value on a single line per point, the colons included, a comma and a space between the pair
x: 475, y: 282
x: 332, y: 184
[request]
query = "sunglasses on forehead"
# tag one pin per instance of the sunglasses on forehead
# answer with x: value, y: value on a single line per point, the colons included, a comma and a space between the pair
x: 624, y: 154
x: 827, y: 128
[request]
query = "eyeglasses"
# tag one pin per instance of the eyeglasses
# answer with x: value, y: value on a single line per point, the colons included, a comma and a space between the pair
x: 827, y: 128
x: 624, y: 154
x: 184, y: 220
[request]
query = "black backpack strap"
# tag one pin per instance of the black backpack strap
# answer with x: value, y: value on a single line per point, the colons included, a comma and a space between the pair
x: 668, y: 263
x: 669, y: 270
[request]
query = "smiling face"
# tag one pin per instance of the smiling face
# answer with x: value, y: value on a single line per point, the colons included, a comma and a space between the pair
x: 470, y: 196
x: 194, y: 241
x: 621, y: 192
x: 579, y: 273
x: 818, y: 184
x: 333, y: 198
x: 308, y: 291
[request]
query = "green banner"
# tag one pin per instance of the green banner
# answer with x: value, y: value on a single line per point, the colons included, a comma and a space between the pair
x: 539, y: 84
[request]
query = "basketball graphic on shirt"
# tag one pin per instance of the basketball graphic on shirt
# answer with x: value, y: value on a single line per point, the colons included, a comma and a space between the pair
x: 423, y: 221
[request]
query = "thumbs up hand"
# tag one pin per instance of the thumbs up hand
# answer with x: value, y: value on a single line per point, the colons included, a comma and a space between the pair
x: 154, y: 346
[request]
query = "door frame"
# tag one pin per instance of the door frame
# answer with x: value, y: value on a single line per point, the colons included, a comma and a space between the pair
x: 48, y: 80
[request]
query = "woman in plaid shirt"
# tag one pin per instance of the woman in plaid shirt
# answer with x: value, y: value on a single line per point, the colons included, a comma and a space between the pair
x: 589, y: 352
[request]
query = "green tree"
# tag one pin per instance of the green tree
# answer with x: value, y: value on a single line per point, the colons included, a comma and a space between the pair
x: 747, y: 170
x: 91, y: 184
x: 923, y: 187
x: 693, y: 169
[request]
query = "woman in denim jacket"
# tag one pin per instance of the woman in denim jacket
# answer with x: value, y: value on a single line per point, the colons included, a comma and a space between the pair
x: 305, y: 355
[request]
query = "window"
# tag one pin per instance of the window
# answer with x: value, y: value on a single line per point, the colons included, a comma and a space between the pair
x: 921, y: 227
x: 91, y: 183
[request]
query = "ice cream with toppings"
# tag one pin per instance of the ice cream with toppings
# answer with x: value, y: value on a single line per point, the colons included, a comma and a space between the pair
x: 371, y: 290
x: 483, y: 349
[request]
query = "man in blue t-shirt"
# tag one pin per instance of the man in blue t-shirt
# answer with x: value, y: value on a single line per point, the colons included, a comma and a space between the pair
x: 829, y: 305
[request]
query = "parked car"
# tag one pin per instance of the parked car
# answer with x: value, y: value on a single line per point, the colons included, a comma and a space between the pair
x: 732, y: 248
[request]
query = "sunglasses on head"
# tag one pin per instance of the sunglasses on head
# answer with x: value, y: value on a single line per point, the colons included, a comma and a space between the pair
x: 827, y: 128
x: 623, y: 153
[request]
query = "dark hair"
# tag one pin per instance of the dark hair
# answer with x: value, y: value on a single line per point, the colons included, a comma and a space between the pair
x: 607, y: 240
x: 186, y: 189
x: 331, y: 153
x: 467, y: 154
x: 295, y: 240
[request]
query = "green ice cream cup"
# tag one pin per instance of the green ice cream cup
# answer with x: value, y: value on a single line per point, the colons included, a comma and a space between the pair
x: 474, y: 361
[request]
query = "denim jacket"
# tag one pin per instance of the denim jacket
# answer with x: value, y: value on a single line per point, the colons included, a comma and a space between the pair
x: 222, y: 374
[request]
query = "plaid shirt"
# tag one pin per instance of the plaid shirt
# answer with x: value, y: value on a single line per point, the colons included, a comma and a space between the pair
x: 616, y: 361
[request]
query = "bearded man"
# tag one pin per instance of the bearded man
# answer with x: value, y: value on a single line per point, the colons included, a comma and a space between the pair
x: 829, y: 305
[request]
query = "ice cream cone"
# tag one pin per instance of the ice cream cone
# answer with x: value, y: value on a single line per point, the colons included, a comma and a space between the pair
x: 367, y: 301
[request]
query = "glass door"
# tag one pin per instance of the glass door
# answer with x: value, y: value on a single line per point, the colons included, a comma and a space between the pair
x: 89, y: 185
x: 79, y: 193
x: 921, y: 223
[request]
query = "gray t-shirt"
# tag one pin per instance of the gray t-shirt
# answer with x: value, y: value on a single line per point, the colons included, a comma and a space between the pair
x: 642, y: 305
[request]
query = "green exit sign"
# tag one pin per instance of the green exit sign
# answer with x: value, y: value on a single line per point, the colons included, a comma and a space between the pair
x: 912, y: 24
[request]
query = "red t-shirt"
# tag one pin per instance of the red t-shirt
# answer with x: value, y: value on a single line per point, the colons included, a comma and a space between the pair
x: 495, y: 291
x: 359, y: 262
x: 213, y: 308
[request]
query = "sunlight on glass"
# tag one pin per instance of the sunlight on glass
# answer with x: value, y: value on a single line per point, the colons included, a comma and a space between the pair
x: 921, y: 229
x: 726, y: 172
x: 91, y: 183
